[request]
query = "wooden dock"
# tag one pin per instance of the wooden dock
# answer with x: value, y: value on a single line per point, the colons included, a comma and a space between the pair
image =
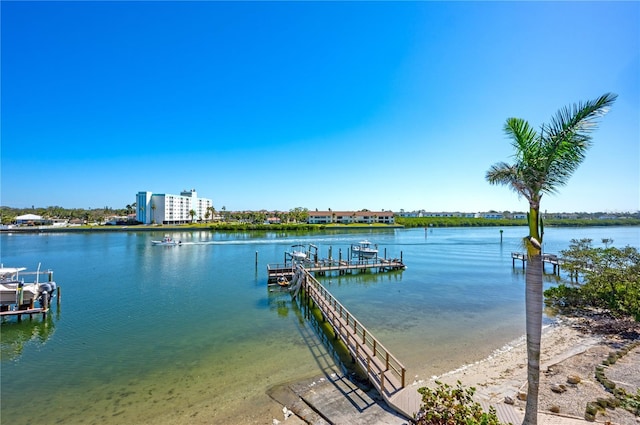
x: 384, y: 370
x: 342, y: 267
x: 546, y: 259
x: 29, y: 309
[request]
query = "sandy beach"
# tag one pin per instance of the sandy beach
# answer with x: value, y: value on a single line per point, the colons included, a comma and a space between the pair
x: 567, y: 350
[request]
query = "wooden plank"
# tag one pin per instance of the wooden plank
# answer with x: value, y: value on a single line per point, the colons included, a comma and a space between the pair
x: 26, y: 311
x: 388, y: 380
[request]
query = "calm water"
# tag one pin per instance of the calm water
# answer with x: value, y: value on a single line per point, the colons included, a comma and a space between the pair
x: 190, y: 334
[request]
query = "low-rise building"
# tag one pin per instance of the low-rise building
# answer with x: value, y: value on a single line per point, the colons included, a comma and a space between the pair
x: 491, y: 214
x: 31, y: 220
x: 351, y: 217
x: 161, y: 208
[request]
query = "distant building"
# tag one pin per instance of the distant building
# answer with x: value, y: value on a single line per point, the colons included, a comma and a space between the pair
x: 163, y: 208
x: 494, y: 215
x: 350, y: 217
x: 31, y: 220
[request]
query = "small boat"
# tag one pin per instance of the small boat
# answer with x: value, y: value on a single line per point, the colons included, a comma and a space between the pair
x: 282, y: 281
x: 364, y: 250
x: 15, y: 292
x: 298, y: 254
x: 167, y: 241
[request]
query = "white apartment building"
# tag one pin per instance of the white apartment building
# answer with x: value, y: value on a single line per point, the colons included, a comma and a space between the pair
x: 161, y: 208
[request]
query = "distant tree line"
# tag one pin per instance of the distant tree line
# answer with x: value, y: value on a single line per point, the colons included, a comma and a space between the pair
x: 99, y: 215
x: 8, y: 214
x: 300, y: 215
x: 504, y: 222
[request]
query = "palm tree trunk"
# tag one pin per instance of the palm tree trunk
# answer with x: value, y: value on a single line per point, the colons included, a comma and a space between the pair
x: 533, y: 299
x: 533, y: 307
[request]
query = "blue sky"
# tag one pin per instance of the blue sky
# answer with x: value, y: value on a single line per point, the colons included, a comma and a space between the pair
x: 341, y: 105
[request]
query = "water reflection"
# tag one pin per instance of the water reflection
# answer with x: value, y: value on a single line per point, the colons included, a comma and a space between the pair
x: 17, y: 335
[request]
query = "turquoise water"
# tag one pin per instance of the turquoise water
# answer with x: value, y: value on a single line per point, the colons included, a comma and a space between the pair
x: 190, y: 334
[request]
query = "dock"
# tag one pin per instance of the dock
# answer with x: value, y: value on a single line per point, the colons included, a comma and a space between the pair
x: 29, y: 309
x: 546, y: 259
x: 360, y: 258
x: 384, y: 371
x: 326, y: 267
x: 14, y: 303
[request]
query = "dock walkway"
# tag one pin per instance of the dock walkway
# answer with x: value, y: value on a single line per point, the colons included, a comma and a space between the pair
x: 324, y: 267
x: 384, y: 370
x: 546, y: 259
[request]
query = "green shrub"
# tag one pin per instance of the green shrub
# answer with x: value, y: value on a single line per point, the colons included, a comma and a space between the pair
x: 446, y: 405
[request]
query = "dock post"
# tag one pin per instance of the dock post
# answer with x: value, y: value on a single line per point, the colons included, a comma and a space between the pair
x: 501, y: 236
x: 256, y: 258
x: 59, y: 295
x: 45, y: 304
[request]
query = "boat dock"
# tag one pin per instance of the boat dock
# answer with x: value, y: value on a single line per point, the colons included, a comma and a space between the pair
x: 324, y: 267
x: 29, y: 309
x: 385, y: 372
x: 546, y: 259
x: 18, y: 298
x: 360, y: 258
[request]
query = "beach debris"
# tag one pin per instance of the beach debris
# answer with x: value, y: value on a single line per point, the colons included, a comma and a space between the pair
x: 287, y: 413
x: 558, y: 388
x: 509, y: 400
x: 555, y: 409
x: 522, y: 396
x: 573, y: 379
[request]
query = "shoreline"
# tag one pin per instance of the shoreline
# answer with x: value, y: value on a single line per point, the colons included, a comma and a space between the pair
x: 565, y: 350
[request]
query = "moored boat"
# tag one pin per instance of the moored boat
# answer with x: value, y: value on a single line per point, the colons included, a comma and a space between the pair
x: 298, y: 254
x: 15, y: 292
x: 364, y: 250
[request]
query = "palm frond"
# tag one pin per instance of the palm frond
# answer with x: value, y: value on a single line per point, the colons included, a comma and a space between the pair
x: 508, y: 175
x: 567, y: 138
x: 522, y: 135
x: 545, y: 161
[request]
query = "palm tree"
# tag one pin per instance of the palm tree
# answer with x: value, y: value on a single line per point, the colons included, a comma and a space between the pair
x: 192, y: 213
x: 543, y: 163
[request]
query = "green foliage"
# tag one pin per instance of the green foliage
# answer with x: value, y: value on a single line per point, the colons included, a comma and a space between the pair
x: 410, y: 222
x: 632, y: 403
x: 611, y: 279
x: 446, y: 405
